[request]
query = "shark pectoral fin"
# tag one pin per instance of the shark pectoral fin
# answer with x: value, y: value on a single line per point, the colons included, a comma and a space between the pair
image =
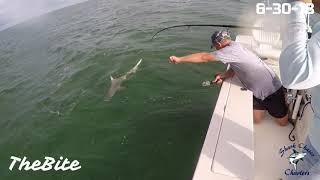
x: 111, y: 78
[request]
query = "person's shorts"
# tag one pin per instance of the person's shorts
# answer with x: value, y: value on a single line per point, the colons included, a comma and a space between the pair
x: 275, y: 104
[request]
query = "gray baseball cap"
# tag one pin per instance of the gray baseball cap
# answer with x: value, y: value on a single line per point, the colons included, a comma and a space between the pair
x: 218, y: 36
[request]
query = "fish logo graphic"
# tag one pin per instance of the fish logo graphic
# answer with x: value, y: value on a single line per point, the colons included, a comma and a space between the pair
x: 295, y: 157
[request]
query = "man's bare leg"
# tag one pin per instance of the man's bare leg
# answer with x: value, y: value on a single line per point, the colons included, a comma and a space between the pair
x: 282, y: 121
x: 258, y: 115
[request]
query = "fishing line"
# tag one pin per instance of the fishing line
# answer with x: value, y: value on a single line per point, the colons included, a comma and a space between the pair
x: 207, y: 25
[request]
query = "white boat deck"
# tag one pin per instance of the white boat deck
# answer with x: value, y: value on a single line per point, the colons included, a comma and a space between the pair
x: 235, y: 148
x: 228, y: 150
x: 268, y: 139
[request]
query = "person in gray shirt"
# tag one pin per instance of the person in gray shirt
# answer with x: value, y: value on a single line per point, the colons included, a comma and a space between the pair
x: 255, y: 75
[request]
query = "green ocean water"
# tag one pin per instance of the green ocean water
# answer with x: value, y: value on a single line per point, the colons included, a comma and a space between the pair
x: 54, y: 75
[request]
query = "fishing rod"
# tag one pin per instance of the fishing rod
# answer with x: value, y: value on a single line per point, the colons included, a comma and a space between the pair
x: 207, y: 25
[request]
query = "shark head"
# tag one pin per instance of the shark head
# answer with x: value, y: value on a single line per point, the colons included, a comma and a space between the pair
x: 301, y: 156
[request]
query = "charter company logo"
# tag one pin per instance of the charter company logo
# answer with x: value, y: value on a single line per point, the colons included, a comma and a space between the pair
x: 298, y: 153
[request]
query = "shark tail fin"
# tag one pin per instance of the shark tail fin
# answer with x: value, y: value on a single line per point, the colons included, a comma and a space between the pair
x: 139, y: 62
x: 134, y: 69
x: 137, y: 65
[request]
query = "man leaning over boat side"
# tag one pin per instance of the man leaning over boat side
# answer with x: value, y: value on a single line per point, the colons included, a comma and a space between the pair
x: 300, y: 69
x: 255, y: 75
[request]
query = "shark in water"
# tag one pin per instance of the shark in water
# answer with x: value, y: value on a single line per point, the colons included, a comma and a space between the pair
x: 116, y: 82
x: 295, y: 157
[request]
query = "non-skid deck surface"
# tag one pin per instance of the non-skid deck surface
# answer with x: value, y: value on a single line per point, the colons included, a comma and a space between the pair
x: 268, y: 139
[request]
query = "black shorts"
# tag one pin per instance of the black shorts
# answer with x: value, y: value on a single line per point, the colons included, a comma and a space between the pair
x: 275, y: 104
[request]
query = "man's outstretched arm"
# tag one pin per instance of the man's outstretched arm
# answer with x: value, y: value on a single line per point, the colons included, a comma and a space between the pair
x: 193, y: 58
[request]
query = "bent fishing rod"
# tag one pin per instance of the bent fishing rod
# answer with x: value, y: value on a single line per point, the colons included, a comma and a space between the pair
x: 207, y: 25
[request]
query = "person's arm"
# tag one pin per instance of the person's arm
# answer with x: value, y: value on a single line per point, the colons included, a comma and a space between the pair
x: 228, y: 74
x: 300, y: 58
x: 193, y: 58
x: 220, y: 77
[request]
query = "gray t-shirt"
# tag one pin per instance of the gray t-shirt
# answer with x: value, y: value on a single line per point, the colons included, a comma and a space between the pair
x: 254, y: 74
